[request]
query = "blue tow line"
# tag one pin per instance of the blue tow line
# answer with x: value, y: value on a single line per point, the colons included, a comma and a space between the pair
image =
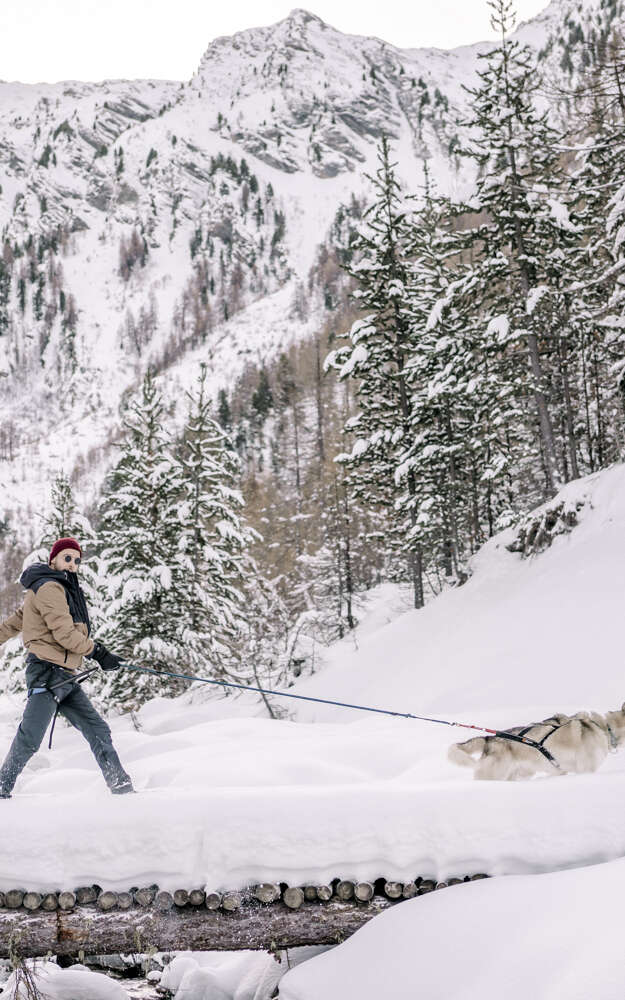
x: 513, y: 737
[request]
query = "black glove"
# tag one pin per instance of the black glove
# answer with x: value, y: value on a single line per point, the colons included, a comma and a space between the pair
x: 108, y: 661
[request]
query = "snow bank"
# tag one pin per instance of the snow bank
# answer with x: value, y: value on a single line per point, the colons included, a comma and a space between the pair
x: 53, y: 983
x: 245, y: 975
x: 545, y: 937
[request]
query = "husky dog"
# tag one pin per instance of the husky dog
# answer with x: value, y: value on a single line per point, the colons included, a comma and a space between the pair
x: 578, y: 743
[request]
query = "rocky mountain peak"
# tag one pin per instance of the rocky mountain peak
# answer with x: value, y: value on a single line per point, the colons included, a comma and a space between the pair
x: 303, y: 17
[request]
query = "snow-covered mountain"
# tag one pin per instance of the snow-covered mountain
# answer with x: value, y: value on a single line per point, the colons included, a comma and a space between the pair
x: 157, y: 222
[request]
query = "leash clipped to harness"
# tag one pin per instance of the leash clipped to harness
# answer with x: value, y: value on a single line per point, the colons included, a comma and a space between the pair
x: 501, y: 733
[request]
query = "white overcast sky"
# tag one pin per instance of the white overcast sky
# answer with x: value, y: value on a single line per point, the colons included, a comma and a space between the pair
x: 50, y: 40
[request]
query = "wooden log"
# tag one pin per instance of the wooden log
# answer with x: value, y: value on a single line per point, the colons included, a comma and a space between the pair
x: 144, y: 897
x: 409, y: 891
x: 164, y: 901
x: 345, y: 890
x: 454, y: 881
x: 427, y: 885
x: 181, y: 897
x: 49, y: 902
x: 2, y: 901
x: 393, y: 889
x: 267, y: 892
x: 14, y: 898
x: 67, y: 900
x: 232, y: 901
x: 364, y: 891
x: 310, y: 893
x: 107, y: 900
x: 86, y: 894
x: 475, y: 878
x: 124, y: 900
x: 324, y: 893
x: 213, y: 900
x: 197, y: 897
x: 253, y: 926
x: 293, y: 897
x: 32, y: 900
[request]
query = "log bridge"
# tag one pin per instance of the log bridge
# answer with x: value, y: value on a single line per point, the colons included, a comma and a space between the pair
x: 266, y: 917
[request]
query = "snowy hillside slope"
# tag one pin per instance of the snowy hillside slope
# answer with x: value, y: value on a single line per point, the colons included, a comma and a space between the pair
x: 533, y: 635
x: 250, y: 799
x: 226, y: 184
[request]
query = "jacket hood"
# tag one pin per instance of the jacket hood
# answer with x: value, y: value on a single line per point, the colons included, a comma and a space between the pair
x: 39, y: 573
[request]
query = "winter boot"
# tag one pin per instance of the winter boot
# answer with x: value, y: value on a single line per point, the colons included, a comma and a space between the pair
x: 122, y: 789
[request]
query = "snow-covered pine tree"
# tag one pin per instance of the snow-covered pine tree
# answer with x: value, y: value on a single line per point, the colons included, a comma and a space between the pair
x: 518, y: 186
x: 213, y: 544
x: 611, y: 317
x: 456, y: 450
x: 375, y: 359
x: 62, y: 520
x: 595, y: 288
x: 139, y: 530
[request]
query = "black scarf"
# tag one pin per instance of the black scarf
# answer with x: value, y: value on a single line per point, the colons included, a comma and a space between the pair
x: 36, y: 575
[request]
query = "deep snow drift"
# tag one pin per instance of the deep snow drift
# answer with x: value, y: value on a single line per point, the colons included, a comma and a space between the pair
x: 541, y: 936
x: 53, y: 983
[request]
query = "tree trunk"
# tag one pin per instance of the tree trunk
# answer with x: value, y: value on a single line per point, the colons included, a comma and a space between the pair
x: 585, y: 381
x: 621, y: 96
x: 597, y: 392
x: 319, y: 401
x: 253, y: 926
x: 546, y: 429
x: 347, y: 555
x: 453, y: 494
x: 415, y: 555
x: 568, y: 408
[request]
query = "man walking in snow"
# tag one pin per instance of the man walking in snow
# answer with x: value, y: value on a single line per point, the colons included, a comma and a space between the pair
x: 54, y: 622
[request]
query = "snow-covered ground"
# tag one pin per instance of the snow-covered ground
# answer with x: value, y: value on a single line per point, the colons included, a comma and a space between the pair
x: 229, y: 797
x: 548, y: 937
x: 210, y: 975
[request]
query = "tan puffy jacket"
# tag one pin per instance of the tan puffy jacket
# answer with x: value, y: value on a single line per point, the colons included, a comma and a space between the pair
x: 47, y: 627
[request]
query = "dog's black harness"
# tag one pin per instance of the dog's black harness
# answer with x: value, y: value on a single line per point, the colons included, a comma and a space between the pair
x: 613, y: 739
x: 520, y: 736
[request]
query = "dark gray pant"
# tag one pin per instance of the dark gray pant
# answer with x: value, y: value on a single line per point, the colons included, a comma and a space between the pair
x: 79, y: 711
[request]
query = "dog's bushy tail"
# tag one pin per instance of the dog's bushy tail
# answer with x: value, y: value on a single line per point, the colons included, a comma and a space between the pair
x: 468, y: 753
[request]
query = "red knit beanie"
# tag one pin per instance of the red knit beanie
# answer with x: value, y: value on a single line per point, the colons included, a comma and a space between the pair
x: 64, y: 543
